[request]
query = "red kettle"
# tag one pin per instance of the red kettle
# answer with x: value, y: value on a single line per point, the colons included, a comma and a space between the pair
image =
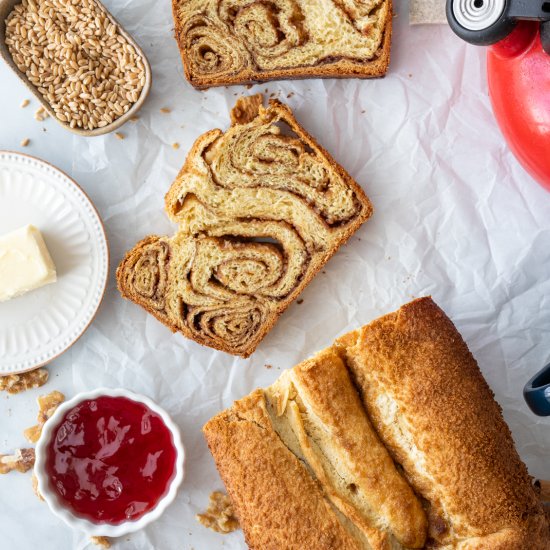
x: 518, y: 71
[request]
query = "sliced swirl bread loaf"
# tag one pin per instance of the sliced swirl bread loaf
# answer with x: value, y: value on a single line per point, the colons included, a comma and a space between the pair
x: 260, y: 208
x: 390, y: 439
x: 226, y: 42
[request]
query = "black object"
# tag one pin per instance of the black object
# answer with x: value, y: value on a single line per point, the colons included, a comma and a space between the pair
x: 485, y: 22
x: 545, y: 35
x: 537, y: 392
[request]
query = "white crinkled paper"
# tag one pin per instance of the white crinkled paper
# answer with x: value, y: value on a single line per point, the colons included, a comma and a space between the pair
x: 455, y: 217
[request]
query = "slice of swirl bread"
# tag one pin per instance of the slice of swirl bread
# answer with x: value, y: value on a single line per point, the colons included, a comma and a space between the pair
x: 226, y: 42
x: 260, y: 208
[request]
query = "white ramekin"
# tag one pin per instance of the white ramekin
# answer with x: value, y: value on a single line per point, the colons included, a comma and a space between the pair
x: 62, y: 511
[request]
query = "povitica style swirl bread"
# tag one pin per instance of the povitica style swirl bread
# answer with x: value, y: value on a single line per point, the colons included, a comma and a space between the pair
x: 390, y: 439
x: 225, y: 42
x: 260, y: 209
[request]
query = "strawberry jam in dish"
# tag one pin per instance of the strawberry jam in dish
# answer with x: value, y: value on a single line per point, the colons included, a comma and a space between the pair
x: 111, y: 459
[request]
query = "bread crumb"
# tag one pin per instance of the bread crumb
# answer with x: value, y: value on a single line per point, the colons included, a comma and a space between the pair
x: 33, y: 433
x: 175, y: 145
x: 300, y: 301
x: 165, y: 110
x: 16, y: 383
x: 24, y: 103
x: 133, y: 118
x: 47, y: 404
x: 25, y: 142
x: 119, y: 135
x: 22, y: 461
x: 104, y: 542
x: 246, y: 109
x: 268, y: 366
x: 219, y: 516
x: 34, y: 480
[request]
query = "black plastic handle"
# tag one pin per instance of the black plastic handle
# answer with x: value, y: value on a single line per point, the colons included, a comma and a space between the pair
x: 537, y: 392
x: 485, y: 22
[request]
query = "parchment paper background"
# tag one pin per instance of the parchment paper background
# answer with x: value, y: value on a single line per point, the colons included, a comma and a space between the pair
x: 455, y: 217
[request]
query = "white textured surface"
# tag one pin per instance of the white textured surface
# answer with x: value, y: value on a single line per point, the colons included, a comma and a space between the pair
x: 455, y: 216
x: 38, y: 326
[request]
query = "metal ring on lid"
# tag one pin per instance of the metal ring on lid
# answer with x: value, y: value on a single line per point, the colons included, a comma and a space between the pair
x: 476, y: 15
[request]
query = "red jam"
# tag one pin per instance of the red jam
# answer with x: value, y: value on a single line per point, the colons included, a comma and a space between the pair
x: 111, y: 459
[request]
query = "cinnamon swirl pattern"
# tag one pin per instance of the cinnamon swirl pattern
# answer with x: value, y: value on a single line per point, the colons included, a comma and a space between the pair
x: 237, y: 41
x: 260, y: 209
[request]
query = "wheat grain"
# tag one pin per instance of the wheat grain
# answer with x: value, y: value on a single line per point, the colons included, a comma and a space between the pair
x: 74, y: 54
x: 41, y: 114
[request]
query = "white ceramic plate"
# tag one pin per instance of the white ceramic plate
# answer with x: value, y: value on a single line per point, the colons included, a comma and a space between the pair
x: 38, y: 326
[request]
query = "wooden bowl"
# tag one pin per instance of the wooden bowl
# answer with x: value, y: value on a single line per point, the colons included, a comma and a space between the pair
x: 6, y: 6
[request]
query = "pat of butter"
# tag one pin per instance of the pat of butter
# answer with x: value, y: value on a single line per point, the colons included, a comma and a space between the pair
x: 25, y: 263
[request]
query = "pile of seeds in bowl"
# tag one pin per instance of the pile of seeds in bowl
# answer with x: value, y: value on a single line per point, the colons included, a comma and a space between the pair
x: 77, y: 58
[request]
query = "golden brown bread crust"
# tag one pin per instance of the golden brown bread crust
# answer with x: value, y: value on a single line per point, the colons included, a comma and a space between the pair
x: 322, y: 408
x: 325, y: 68
x: 278, y: 504
x: 421, y: 385
x: 223, y: 233
x: 130, y: 259
x: 431, y: 407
